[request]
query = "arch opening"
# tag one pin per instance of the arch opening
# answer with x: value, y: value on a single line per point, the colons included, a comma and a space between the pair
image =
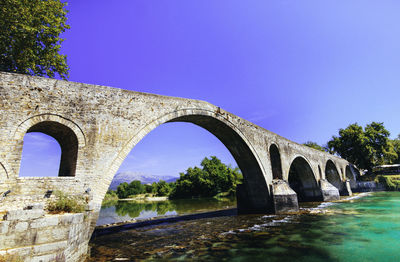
x: 303, y: 182
x: 333, y: 176
x: 162, y: 157
x: 255, y: 189
x: 52, y: 133
x: 253, y: 194
x: 276, y: 164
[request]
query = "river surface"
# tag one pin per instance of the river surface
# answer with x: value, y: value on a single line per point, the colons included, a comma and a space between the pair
x: 121, y: 211
x: 363, y: 229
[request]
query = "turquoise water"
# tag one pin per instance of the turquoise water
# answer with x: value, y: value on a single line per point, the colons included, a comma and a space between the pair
x: 362, y: 229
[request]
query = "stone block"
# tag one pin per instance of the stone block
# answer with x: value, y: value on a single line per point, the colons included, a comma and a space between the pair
x: 45, y: 222
x: 59, y: 257
x: 4, y: 227
x: 20, y: 252
x: 60, y: 233
x: 77, y: 218
x: 21, y: 226
x: 24, y: 215
x: 50, y: 247
x: 66, y: 219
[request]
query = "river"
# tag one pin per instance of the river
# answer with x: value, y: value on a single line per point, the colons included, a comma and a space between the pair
x: 365, y: 228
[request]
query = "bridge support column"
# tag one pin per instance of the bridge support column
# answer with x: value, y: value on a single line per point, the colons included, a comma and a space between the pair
x: 248, y: 203
x: 329, y: 192
x: 347, y: 189
x: 285, y: 199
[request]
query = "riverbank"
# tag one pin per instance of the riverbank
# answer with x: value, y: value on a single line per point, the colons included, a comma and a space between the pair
x: 354, y: 229
x: 145, y: 198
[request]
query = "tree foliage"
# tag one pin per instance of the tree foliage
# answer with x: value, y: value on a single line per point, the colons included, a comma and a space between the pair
x: 366, y: 147
x: 396, y: 148
x: 214, y: 177
x: 29, y: 37
x: 314, y: 145
x: 125, y: 190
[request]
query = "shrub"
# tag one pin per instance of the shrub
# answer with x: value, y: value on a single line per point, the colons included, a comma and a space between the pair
x: 64, y: 203
x: 391, y: 182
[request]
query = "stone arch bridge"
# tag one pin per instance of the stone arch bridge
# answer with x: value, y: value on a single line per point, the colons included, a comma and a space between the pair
x: 98, y: 126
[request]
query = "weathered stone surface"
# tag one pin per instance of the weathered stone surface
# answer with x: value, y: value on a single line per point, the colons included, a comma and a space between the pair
x: 21, y: 226
x: 24, y: 214
x: 329, y: 192
x: 45, y: 222
x: 50, y: 248
x: 285, y: 199
x: 4, y: 227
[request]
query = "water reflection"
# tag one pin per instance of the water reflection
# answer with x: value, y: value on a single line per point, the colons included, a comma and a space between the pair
x: 119, y: 211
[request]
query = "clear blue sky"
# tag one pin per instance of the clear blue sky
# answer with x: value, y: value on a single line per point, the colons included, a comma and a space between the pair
x: 302, y: 69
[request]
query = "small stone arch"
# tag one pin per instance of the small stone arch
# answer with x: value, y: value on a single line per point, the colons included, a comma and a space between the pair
x: 333, y: 176
x: 68, y: 135
x: 302, y: 180
x: 23, y: 128
x: 235, y: 141
x: 276, y: 163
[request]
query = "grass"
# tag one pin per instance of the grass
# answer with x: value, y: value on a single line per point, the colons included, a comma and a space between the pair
x: 66, y: 204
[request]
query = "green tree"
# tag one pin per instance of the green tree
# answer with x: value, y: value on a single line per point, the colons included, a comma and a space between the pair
x: 135, y: 188
x: 125, y: 190
x: 29, y: 37
x: 365, y: 148
x: 314, y: 145
x: 148, y: 188
x: 122, y: 190
x: 380, y: 146
x: 163, y: 188
x: 396, y: 147
x: 214, y: 177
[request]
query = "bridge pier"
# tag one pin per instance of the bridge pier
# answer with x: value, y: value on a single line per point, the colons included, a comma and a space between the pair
x: 284, y: 198
x: 347, y: 189
x: 249, y: 204
x: 329, y: 192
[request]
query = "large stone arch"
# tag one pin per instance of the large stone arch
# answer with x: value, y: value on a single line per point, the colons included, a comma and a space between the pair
x: 69, y: 136
x: 276, y: 162
x: 333, y: 176
x: 255, y: 185
x: 303, y: 181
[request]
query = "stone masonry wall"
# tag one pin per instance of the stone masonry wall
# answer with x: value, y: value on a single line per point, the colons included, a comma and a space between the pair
x: 34, y: 235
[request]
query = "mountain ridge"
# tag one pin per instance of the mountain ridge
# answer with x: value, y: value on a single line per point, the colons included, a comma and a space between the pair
x: 129, y: 176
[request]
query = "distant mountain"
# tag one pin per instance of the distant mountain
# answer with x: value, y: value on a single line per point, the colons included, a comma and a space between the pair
x: 144, y: 178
